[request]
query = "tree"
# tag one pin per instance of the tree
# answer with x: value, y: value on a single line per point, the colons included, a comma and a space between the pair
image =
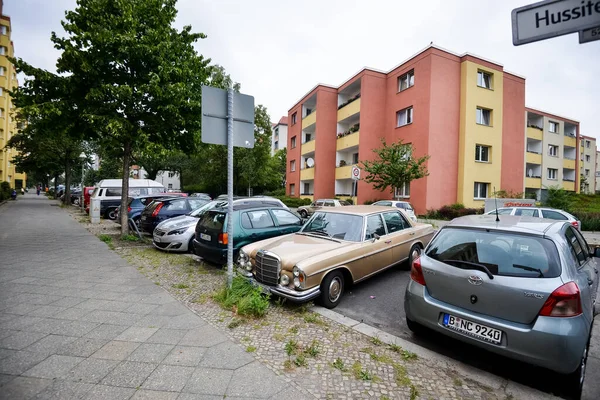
x: 135, y: 78
x: 557, y: 197
x: 583, y: 183
x: 394, y: 166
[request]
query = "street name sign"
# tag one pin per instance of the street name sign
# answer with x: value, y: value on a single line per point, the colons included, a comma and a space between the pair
x: 589, y: 35
x: 551, y: 18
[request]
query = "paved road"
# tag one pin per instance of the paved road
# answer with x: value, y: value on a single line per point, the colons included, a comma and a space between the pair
x: 76, y: 321
x: 386, y: 312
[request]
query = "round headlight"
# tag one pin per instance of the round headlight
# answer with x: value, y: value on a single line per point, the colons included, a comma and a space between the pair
x: 296, y: 271
x: 248, y: 266
x: 297, y: 282
x: 243, y: 258
x: 284, y: 280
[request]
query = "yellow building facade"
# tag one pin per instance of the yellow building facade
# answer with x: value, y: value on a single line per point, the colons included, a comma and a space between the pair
x: 8, y: 127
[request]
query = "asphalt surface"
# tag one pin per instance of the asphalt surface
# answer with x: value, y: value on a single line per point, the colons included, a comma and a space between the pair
x: 379, y: 302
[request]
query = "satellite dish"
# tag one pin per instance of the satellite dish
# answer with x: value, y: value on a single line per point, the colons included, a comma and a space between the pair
x: 310, y: 162
x: 530, y: 173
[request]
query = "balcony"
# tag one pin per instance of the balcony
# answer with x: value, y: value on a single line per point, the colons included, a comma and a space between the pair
x: 347, y: 141
x: 308, y: 147
x: 534, y: 133
x: 570, y: 141
x: 307, y: 174
x: 569, y: 185
x: 569, y: 164
x: 533, y: 158
x: 534, y: 183
x: 348, y: 110
x: 309, y: 119
x: 344, y: 172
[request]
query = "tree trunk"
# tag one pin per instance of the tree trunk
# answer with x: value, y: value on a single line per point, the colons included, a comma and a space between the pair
x: 55, y: 185
x: 67, y: 193
x: 125, y: 189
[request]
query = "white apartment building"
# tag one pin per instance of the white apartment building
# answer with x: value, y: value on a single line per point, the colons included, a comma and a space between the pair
x: 587, y: 151
x: 279, y: 135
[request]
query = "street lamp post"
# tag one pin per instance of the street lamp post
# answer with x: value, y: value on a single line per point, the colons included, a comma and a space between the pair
x: 83, y: 156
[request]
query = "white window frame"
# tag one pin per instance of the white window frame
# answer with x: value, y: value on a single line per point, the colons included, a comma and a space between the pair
x: 480, y: 113
x: 1, y: 91
x: 292, y: 189
x: 404, y: 117
x: 480, y: 190
x: 481, y: 81
x: 479, y: 153
x: 1, y: 112
x: 4, y: 29
x: 552, y: 174
x: 3, y: 50
x: 553, y: 150
x: 293, y: 142
x: 553, y: 127
x: 293, y: 166
x: 294, y: 118
x: 408, y: 79
x: 403, y: 191
x: 2, y: 71
x: 587, y: 144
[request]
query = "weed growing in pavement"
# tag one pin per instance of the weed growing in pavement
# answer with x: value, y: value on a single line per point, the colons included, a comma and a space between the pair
x: 105, y: 238
x: 457, y: 382
x: 360, y: 373
x: 300, y: 361
x: 157, y: 283
x: 402, y: 378
x: 313, y: 350
x: 247, y: 299
x: 312, y: 318
x: 294, y: 329
x: 279, y: 337
x: 288, y: 365
x: 339, y: 364
x: 235, y: 323
x: 376, y: 341
x: 395, y: 348
x: 130, y: 238
x: 410, y: 356
x: 291, y: 347
x: 250, y: 349
x: 180, y: 286
x: 414, y: 393
x: 384, y: 398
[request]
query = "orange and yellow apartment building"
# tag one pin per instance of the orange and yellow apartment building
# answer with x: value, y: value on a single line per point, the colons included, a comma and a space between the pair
x: 467, y: 113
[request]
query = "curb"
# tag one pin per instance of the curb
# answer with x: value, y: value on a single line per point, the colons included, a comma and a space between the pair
x: 517, y: 390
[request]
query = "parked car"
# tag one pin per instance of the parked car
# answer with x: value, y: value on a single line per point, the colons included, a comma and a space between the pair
x: 524, y: 288
x: 136, y: 204
x: 336, y: 248
x: 109, y: 193
x: 205, y: 196
x: 177, y: 234
x: 405, y: 205
x: 307, y: 211
x: 538, y: 212
x: 165, y: 208
x: 250, y: 222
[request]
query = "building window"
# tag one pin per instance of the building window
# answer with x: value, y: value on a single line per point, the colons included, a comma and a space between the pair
x: 552, y: 173
x: 306, y: 188
x: 481, y: 190
x: 482, y: 153
x: 307, y: 137
x: 2, y: 71
x: 292, y: 189
x: 484, y: 79
x: 4, y: 30
x: 354, y: 158
x: 2, y: 51
x: 1, y: 91
x: 1, y: 112
x: 587, y: 144
x: 404, y: 117
x: 587, y: 172
x: 587, y: 158
x: 552, y: 150
x: 276, y: 145
x: 293, y: 142
x: 407, y: 80
x: 294, y: 118
x: 403, y: 191
x: 484, y: 116
x: 170, y: 186
x: 553, y: 127
x: 293, y: 165
x: 171, y: 174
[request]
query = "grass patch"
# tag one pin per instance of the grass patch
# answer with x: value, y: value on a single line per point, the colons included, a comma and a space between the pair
x: 402, y: 378
x: 180, y: 286
x: 243, y: 298
x: 457, y: 382
x: 235, y: 323
x: 288, y: 365
x: 279, y: 337
x: 339, y: 364
x: 376, y: 341
x: 291, y: 347
x: 250, y: 349
x: 410, y: 356
x: 312, y: 318
x: 360, y: 373
x: 414, y: 393
x: 395, y: 348
x: 105, y: 238
x: 130, y: 238
x: 294, y: 329
x: 300, y: 361
x: 313, y: 350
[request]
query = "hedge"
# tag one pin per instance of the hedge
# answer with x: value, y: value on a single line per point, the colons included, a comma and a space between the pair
x: 449, y: 212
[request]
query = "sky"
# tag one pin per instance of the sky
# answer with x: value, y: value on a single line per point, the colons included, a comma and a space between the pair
x: 279, y: 50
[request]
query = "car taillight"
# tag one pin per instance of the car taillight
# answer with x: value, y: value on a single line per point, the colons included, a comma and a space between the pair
x: 575, y: 224
x: 563, y: 302
x: 128, y: 209
x: 157, y: 209
x: 416, y: 272
x: 223, y: 238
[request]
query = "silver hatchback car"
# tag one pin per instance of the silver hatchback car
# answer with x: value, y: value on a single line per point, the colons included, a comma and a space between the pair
x: 521, y: 287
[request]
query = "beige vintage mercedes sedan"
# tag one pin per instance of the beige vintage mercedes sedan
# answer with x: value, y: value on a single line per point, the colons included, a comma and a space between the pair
x: 334, y: 249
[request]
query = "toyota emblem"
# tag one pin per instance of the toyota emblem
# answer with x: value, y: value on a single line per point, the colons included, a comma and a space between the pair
x: 475, y: 280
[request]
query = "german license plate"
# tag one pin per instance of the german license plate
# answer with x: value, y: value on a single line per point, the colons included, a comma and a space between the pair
x: 473, y: 329
x: 204, y: 236
x: 157, y: 239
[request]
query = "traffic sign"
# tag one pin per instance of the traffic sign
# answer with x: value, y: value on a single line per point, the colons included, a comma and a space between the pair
x: 551, y: 18
x: 355, y: 173
x: 589, y: 35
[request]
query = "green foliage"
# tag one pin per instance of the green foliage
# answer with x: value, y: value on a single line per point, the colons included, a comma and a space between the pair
x: 314, y: 349
x: 294, y: 201
x: 291, y: 347
x: 509, y: 194
x: 339, y: 364
x: 360, y: 373
x: 394, y: 166
x: 250, y: 349
x: 130, y: 238
x: 105, y: 238
x: 5, y: 191
x: 247, y: 299
x: 180, y: 286
x: 300, y: 361
x: 449, y: 212
x: 558, y: 198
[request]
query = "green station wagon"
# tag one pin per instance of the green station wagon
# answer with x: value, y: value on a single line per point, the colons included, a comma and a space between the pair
x: 250, y: 224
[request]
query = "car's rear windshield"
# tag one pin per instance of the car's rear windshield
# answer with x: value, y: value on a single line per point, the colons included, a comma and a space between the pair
x: 334, y: 225
x: 212, y: 220
x: 404, y: 206
x: 502, y: 253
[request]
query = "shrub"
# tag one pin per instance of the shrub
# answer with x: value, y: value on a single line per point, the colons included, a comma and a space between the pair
x: 276, y: 192
x: 449, y: 212
x: 247, y: 299
x: 558, y: 198
x: 5, y: 191
x: 590, y: 221
x: 293, y: 201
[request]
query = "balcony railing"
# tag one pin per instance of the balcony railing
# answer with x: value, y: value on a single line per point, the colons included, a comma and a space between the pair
x: 355, y: 97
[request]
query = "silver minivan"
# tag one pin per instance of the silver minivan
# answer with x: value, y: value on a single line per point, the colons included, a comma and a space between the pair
x: 522, y: 287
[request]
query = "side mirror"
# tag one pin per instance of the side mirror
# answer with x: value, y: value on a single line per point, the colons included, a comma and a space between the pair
x: 376, y: 237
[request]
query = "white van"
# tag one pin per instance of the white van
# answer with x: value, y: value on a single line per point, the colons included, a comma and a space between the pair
x: 109, y: 193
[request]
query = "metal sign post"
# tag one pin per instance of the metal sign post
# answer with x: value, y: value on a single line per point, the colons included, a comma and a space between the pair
x: 355, y: 177
x: 224, y: 124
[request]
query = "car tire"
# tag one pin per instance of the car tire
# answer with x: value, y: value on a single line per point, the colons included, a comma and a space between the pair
x: 190, y: 248
x: 76, y: 202
x: 415, y: 327
x: 303, y: 213
x: 332, y: 289
x: 414, y: 252
x: 111, y: 214
x: 575, y: 379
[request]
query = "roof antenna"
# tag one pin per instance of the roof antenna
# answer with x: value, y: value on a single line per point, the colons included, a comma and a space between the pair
x: 496, y: 203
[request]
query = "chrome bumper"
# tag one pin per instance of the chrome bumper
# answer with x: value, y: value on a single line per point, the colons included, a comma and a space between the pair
x: 282, y: 291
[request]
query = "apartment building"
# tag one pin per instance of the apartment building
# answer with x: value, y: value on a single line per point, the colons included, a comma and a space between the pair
x: 8, y: 127
x: 587, y: 151
x: 597, y: 180
x: 279, y: 135
x: 552, y: 152
x: 464, y: 111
